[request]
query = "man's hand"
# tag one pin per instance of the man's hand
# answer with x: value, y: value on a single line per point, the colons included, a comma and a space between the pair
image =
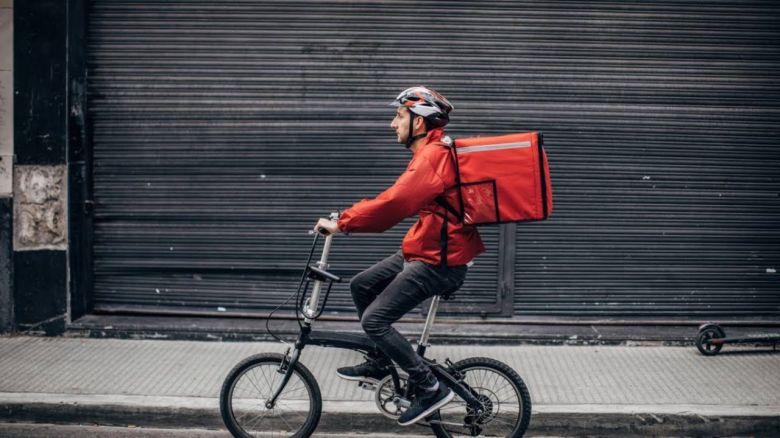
x: 326, y: 227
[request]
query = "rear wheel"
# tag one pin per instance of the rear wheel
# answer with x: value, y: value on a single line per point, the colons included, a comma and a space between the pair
x: 506, y: 401
x: 252, y: 382
x: 703, y: 340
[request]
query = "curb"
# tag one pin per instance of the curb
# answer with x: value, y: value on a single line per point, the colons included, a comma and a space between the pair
x: 342, y: 416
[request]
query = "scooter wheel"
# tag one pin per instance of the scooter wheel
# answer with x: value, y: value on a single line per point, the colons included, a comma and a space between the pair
x: 703, y: 343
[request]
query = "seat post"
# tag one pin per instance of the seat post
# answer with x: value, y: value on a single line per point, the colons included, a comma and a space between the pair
x: 429, y: 321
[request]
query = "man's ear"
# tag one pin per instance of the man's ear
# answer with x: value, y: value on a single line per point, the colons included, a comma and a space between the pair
x: 421, y: 124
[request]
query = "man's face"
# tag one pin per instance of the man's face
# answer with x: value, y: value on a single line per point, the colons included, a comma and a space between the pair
x: 401, y: 124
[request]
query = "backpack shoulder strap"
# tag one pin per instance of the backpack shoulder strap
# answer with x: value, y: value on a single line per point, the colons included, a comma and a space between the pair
x: 449, y: 143
x: 443, y: 202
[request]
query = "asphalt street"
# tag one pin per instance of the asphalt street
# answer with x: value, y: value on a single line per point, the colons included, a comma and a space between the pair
x: 89, y: 431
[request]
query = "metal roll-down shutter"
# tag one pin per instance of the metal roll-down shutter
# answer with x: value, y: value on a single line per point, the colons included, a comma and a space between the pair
x: 223, y: 129
x: 662, y: 122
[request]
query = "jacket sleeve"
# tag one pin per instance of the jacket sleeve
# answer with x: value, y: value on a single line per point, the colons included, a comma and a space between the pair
x: 417, y: 187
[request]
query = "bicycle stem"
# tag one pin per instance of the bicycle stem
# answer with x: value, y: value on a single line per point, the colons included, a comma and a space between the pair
x: 310, y: 308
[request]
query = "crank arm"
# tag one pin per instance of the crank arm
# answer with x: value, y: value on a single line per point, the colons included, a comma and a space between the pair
x: 447, y: 423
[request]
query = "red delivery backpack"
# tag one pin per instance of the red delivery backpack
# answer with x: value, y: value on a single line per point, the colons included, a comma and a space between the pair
x: 502, y: 179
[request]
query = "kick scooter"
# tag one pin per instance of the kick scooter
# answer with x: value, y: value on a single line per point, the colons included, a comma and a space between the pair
x: 712, y: 337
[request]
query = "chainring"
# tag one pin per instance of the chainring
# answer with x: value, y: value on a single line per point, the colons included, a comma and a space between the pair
x: 391, y: 403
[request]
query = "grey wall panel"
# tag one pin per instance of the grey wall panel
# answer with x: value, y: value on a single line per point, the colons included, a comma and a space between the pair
x: 222, y: 129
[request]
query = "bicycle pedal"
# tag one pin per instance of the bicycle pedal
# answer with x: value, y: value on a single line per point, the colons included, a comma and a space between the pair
x: 368, y: 386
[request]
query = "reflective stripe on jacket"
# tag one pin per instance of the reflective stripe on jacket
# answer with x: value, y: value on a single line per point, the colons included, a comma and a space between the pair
x: 430, y: 173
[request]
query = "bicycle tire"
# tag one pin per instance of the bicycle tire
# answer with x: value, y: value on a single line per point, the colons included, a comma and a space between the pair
x: 456, y: 411
x: 261, y: 373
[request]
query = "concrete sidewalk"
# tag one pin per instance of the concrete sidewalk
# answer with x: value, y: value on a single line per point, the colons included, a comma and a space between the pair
x: 576, y: 390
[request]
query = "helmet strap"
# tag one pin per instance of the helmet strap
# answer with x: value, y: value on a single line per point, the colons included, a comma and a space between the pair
x: 412, y: 138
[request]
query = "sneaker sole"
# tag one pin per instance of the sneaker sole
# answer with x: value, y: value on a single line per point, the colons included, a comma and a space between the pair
x: 435, y: 407
x: 358, y: 379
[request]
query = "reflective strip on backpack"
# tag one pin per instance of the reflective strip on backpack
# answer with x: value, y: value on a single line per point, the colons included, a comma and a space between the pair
x: 494, y: 147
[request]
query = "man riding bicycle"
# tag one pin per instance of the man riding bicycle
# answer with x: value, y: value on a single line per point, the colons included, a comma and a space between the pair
x: 434, y: 254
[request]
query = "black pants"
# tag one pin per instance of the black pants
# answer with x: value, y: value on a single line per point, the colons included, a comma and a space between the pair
x: 387, y: 291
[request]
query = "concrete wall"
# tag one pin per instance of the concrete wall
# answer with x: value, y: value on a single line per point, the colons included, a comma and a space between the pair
x: 39, y: 208
x: 40, y: 177
x: 6, y: 96
x: 6, y: 163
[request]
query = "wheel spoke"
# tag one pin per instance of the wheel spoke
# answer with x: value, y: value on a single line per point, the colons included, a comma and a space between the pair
x: 294, y: 391
x: 259, y: 391
x: 510, y: 390
x: 294, y: 412
x: 281, y: 417
x: 499, y: 420
x: 272, y: 384
x: 257, y: 420
x: 238, y: 420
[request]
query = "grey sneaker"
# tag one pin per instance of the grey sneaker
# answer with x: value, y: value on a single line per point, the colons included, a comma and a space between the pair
x: 426, y: 403
x: 371, y: 370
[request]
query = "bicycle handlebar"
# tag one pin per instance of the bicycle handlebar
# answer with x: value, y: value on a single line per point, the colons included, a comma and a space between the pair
x: 310, y: 309
x: 334, y: 216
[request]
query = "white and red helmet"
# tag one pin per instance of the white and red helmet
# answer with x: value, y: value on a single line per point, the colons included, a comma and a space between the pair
x: 426, y: 103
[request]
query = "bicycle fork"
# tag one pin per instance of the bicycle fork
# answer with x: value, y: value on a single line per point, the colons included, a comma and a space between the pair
x: 288, y: 364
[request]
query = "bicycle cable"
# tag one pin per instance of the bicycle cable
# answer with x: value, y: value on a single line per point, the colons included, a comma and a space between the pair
x: 296, y: 295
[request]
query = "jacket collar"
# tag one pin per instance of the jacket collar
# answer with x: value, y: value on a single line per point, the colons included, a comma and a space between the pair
x: 433, y: 136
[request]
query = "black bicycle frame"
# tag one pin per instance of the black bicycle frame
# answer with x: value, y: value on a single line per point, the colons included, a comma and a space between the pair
x: 363, y: 344
x: 351, y: 341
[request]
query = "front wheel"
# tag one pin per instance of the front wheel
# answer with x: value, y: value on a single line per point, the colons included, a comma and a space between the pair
x: 504, y: 395
x: 704, y: 340
x: 249, y: 386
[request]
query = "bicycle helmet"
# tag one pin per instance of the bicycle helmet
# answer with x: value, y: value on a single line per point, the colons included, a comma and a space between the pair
x: 426, y: 103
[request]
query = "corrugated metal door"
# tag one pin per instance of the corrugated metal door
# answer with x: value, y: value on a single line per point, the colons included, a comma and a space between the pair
x: 222, y: 129
x: 662, y: 121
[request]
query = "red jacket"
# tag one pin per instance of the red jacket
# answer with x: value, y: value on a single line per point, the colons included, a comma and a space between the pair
x: 429, y: 174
